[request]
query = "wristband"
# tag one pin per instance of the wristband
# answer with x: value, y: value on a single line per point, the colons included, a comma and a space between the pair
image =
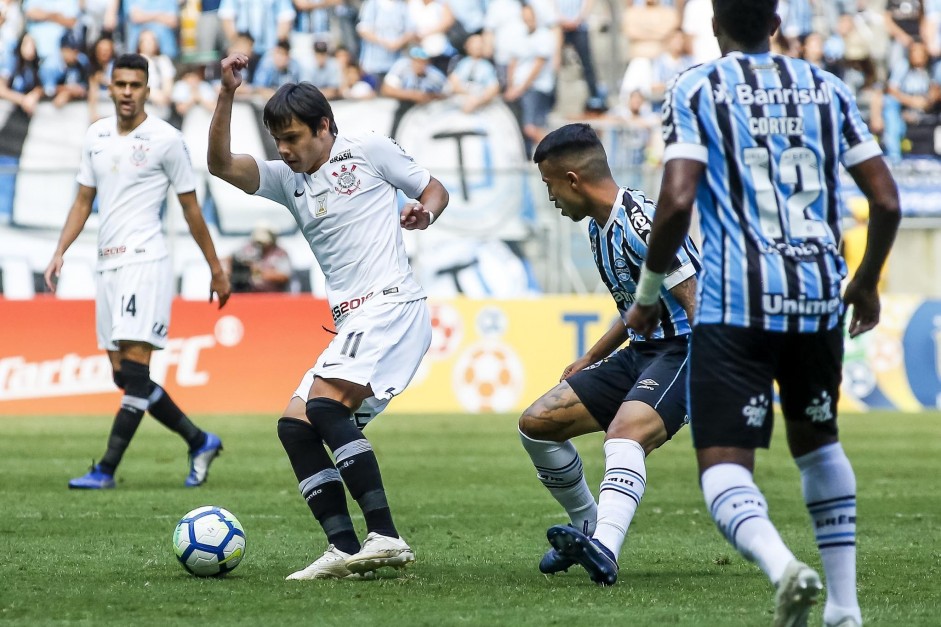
x: 648, y: 287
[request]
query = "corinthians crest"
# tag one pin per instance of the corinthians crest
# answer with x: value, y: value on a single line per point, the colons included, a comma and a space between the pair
x: 346, y: 180
x: 139, y: 155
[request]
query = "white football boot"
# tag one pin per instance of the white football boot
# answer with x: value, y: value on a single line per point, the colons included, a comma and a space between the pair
x: 330, y: 565
x: 379, y: 551
x: 797, y: 593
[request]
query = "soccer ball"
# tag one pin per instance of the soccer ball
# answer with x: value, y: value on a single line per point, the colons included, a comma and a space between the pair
x: 209, y: 541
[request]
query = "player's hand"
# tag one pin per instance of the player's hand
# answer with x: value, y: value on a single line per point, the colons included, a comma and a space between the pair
x: 52, y: 273
x: 415, y: 216
x: 232, y: 67
x: 220, y: 286
x: 866, y: 307
x: 579, y: 364
x: 642, y: 319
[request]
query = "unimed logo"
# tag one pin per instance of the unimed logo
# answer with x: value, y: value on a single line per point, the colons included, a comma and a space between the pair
x: 77, y: 375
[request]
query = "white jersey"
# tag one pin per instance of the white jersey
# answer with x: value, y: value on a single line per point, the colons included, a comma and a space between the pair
x: 348, y: 211
x: 132, y: 173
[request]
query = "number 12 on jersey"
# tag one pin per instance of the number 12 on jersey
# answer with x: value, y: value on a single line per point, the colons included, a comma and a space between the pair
x: 797, y: 166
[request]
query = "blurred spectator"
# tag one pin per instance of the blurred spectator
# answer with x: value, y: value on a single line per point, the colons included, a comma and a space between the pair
x: 47, y: 21
x: 433, y: 19
x: 325, y: 73
x: 354, y: 85
x: 385, y: 27
x: 668, y: 64
x: 193, y: 90
x: 468, y: 20
x: 503, y: 28
x: 161, y: 18
x: 911, y: 94
x: 102, y: 58
x: 413, y: 80
x: 268, y: 21
x: 346, y: 15
x: 573, y: 20
x: 903, y: 23
x: 261, y: 265
x: 160, y: 70
x: 210, y: 36
x: 639, y: 130
x: 474, y: 79
x: 11, y: 28
x: 313, y: 17
x: 797, y: 20
x: 531, y: 78
x: 97, y: 18
x: 647, y: 27
x: 72, y: 71
x: 20, y: 83
x: 697, y: 24
x: 275, y: 68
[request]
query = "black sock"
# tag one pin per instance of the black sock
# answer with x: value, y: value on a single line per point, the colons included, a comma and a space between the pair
x: 355, y: 460
x: 136, y: 379
x: 319, y: 482
x: 172, y: 417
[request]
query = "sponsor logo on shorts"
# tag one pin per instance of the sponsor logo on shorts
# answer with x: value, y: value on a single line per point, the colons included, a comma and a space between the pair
x: 111, y: 251
x: 340, y: 310
x: 647, y: 384
x: 756, y: 411
x: 819, y: 409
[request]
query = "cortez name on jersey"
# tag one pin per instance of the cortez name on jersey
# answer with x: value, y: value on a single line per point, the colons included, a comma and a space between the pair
x: 131, y: 174
x: 348, y: 211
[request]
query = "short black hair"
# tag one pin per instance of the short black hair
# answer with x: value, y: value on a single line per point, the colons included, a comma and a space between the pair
x: 745, y: 21
x: 301, y: 101
x: 565, y: 140
x: 132, y: 61
x: 575, y: 147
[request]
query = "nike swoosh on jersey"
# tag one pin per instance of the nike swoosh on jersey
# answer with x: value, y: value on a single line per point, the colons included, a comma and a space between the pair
x: 298, y: 193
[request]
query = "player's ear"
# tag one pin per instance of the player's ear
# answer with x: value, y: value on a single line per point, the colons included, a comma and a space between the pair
x: 573, y: 179
x: 775, y: 24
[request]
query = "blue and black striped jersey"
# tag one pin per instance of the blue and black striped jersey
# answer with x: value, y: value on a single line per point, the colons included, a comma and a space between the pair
x: 620, y: 246
x: 772, y: 132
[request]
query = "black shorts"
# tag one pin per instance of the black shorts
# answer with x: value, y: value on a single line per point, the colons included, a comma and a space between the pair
x: 731, y: 376
x: 653, y: 372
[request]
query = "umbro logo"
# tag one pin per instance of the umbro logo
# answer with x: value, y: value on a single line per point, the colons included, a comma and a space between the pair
x: 648, y: 382
x: 298, y: 193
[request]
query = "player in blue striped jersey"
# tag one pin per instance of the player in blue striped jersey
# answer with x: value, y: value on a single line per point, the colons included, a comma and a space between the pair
x: 756, y: 140
x: 636, y: 395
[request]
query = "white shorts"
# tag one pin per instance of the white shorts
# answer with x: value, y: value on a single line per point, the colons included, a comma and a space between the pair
x: 380, y: 345
x: 133, y: 303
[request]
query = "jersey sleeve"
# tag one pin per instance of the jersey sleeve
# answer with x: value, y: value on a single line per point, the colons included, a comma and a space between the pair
x: 86, y: 173
x: 681, y: 129
x: 396, y: 166
x: 681, y: 268
x: 178, y: 166
x: 639, y: 222
x: 856, y: 142
x: 272, y: 178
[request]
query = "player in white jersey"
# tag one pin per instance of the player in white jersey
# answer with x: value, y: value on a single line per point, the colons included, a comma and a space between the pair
x: 342, y: 193
x: 128, y: 162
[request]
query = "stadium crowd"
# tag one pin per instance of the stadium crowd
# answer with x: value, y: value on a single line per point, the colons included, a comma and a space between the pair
x: 475, y: 50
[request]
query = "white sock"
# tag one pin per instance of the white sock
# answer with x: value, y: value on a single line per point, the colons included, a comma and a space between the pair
x: 830, y: 493
x: 559, y: 468
x: 741, y: 513
x: 625, y: 478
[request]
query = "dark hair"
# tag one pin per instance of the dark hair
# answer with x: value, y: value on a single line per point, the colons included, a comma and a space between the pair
x: 300, y: 101
x: 567, y: 139
x: 131, y: 61
x: 244, y: 34
x: 284, y: 44
x: 22, y: 65
x: 745, y: 21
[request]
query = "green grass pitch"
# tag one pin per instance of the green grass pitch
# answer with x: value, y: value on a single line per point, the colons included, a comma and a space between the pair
x: 466, y: 498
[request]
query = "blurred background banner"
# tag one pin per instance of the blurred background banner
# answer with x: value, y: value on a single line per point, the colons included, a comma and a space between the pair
x: 486, y: 355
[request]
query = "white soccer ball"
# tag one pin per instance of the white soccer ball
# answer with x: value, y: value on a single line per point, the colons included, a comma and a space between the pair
x: 209, y: 541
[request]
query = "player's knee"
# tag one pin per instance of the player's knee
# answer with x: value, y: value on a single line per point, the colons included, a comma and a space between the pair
x: 118, y: 379
x: 533, y: 425
x: 136, y: 378
x: 332, y: 420
x: 291, y: 430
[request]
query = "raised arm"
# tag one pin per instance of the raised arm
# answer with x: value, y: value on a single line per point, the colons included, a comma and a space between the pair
x: 219, y: 285
x: 239, y: 170
x: 74, y: 223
